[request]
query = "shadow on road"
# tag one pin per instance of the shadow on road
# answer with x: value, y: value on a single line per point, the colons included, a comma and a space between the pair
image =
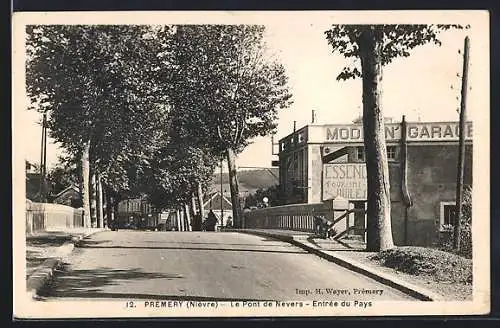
x: 84, y: 282
x: 91, y: 283
x: 195, y: 249
x: 47, y: 242
x: 218, y: 244
x: 86, y: 241
x: 312, y: 241
x: 334, y: 245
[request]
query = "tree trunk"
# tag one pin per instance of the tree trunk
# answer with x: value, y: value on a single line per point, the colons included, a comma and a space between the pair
x: 379, y: 234
x: 178, y: 216
x: 114, y: 214
x: 86, y: 185
x: 233, y: 185
x: 196, y: 216
x: 182, y: 220
x: 109, y: 208
x: 199, y: 197
x: 93, y: 201
x: 100, y: 214
x: 188, y: 217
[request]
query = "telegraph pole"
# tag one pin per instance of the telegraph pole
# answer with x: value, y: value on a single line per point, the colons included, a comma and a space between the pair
x: 221, y: 197
x: 43, y: 159
x: 461, y: 146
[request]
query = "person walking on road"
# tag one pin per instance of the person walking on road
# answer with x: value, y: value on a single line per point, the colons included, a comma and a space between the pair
x: 211, y: 221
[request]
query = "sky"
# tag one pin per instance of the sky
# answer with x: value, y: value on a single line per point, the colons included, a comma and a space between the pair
x: 424, y: 86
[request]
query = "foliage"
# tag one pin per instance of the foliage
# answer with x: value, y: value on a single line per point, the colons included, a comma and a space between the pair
x: 173, y: 174
x: 227, y: 90
x: 272, y: 193
x: 63, y: 175
x: 158, y: 108
x: 99, y: 83
x: 397, y: 41
x: 441, y: 266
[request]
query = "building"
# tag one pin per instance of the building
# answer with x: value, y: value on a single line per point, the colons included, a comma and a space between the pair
x: 213, y: 202
x: 32, y: 181
x: 137, y: 213
x: 70, y: 196
x: 325, y: 161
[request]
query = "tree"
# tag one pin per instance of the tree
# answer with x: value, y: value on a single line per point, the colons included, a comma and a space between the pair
x: 99, y: 84
x: 174, y: 175
x: 256, y: 199
x: 375, y: 46
x: 228, y: 89
x: 64, y: 174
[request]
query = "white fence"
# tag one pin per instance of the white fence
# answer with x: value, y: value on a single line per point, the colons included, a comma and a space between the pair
x: 300, y: 217
x: 42, y: 216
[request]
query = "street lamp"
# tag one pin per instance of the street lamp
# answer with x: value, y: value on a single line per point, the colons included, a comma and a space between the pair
x: 266, y: 201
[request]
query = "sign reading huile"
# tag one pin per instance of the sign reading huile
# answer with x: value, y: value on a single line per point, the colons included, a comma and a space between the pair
x: 438, y: 131
x: 347, y: 180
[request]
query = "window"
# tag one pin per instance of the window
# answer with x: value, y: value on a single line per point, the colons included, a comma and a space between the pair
x: 360, y: 153
x: 391, y: 153
x: 447, y: 213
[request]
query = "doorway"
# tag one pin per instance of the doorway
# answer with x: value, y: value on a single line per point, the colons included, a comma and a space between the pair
x: 359, y: 218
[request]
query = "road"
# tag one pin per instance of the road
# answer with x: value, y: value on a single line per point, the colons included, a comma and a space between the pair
x: 205, y: 266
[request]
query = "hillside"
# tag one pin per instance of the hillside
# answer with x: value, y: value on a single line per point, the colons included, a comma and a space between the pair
x: 249, y: 180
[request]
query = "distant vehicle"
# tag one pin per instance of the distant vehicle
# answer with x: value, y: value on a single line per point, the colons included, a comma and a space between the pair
x: 130, y: 226
x: 113, y: 225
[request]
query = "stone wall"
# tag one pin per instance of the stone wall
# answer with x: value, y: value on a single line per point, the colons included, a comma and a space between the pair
x: 432, y: 174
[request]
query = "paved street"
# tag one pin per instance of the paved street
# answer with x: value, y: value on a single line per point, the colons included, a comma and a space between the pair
x: 205, y: 265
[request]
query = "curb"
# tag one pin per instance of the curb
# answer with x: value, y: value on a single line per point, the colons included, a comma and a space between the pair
x: 38, y: 279
x: 418, y: 292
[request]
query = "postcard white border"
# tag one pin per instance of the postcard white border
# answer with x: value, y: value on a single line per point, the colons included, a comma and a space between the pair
x: 25, y: 308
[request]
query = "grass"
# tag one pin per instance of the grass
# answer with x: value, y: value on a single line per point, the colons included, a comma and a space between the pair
x: 420, y: 261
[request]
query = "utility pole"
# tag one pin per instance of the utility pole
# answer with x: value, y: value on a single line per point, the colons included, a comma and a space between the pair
x: 43, y: 159
x: 221, y: 197
x: 461, y: 146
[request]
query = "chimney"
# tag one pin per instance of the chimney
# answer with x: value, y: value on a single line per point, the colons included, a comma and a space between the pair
x: 314, y: 118
x: 294, y: 126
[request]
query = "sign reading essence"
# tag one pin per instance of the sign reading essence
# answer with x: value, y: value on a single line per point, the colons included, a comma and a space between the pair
x: 347, y: 180
x: 439, y: 131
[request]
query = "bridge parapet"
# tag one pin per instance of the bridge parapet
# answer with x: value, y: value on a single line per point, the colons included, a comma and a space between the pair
x: 300, y: 217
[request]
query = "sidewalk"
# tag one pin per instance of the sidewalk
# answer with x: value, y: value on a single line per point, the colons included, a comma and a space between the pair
x: 351, y: 254
x: 44, y: 250
x: 61, y: 233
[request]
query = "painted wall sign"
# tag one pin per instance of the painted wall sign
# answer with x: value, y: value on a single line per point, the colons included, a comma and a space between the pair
x: 437, y: 131
x: 346, y: 180
x: 354, y: 133
x: 425, y: 131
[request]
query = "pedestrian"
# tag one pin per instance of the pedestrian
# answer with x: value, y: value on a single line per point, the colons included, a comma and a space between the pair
x: 323, y: 227
x: 211, y: 221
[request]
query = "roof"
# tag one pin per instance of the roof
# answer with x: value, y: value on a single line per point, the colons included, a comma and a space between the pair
x: 72, y: 187
x: 216, y: 200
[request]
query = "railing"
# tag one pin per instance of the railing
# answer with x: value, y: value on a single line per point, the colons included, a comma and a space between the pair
x: 42, y: 216
x: 300, y: 217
